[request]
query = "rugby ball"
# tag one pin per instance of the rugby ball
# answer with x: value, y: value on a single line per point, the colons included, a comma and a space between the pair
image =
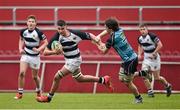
x: 56, y: 45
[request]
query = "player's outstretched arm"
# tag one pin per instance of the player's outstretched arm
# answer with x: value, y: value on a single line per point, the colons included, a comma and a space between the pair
x: 94, y: 39
x: 102, y: 34
x: 102, y: 47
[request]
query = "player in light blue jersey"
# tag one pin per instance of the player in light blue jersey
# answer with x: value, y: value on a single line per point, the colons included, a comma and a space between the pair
x: 118, y: 41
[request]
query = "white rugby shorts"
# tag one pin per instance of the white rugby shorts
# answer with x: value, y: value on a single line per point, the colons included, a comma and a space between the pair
x: 33, y: 61
x: 152, y: 64
x: 73, y: 64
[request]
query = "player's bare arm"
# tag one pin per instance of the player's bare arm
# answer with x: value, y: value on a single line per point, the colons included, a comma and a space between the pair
x: 21, y: 44
x: 102, y: 47
x: 102, y: 34
x: 140, y: 51
x: 159, y: 46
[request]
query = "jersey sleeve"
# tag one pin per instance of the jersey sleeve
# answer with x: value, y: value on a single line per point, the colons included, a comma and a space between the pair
x: 54, y: 38
x: 154, y: 38
x: 138, y: 40
x: 82, y: 35
x: 21, y: 33
x: 109, y: 43
x: 40, y: 34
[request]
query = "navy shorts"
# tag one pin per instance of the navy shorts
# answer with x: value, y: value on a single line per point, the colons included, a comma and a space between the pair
x: 130, y: 67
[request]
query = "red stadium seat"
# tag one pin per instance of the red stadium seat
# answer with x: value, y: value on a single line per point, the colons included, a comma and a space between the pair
x: 6, y: 16
x: 161, y: 15
x: 1, y: 52
x: 45, y: 16
x: 78, y: 16
x: 167, y: 53
x: 176, y: 53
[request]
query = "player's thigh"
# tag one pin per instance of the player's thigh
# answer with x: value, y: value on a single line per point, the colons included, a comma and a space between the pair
x: 34, y: 62
x: 24, y: 63
x: 63, y: 72
x: 73, y: 65
x: 23, y: 67
x: 145, y: 67
x: 124, y: 77
x: 156, y: 74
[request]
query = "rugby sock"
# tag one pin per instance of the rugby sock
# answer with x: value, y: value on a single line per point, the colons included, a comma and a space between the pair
x: 142, y: 73
x: 50, y: 95
x: 138, y: 97
x: 101, y: 80
x: 20, y: 90
x: 150, y: 91
x: 38, y: 90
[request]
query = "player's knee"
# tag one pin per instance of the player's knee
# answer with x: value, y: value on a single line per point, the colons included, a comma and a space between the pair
x: 121, y: 79
x: 157, y: 78
x: 78, y: 76
x: 128, y: 84
x: 124, y: 78
x: 143, y: 73
x: 22, y: 74
x: 35, y: 77
x: 56, y: 77
x: 80, y: 79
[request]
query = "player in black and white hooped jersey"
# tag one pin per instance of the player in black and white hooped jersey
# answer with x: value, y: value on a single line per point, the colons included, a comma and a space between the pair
x: 69, y: 40
x: 30, y: 48
x: 150, y: 44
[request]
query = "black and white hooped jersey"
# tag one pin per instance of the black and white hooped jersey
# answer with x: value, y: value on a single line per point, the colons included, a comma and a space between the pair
x: 32, y: 39
x: 70, y: 43
x: 148, y: 42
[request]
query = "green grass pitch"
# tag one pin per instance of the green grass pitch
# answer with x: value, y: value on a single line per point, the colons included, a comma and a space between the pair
x: 90, y: 101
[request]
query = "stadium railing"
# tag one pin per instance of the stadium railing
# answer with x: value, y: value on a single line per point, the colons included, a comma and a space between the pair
x: 91, y: 14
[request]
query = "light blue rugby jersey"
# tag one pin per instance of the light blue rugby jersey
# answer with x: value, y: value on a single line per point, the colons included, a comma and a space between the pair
x: 119, y: 42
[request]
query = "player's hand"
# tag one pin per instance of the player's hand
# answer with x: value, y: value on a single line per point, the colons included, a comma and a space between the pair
x: 21, y: 51
x: 102, y: 47
x: 57, y: 51
x: 36, y: 50
x: 97, y: 39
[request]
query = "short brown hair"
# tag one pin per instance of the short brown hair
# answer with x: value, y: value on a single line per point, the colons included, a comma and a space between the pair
x: 142, y: 25
x: 112, y: 23
x: 61, y: 23
x: 31, y: 17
